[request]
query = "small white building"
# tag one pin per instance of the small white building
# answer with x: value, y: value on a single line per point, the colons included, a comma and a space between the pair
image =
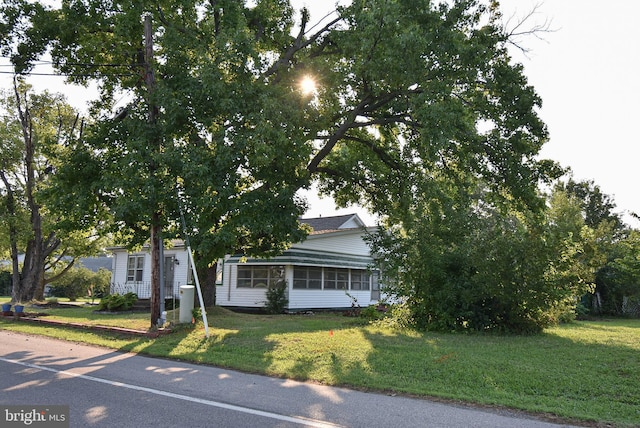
x: 131, y: 271
x: 331, y: 268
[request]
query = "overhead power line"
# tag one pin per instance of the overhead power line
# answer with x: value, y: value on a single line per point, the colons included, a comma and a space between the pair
x: 71, y: 74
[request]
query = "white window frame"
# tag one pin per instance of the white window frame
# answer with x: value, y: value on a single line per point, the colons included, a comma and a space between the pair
x: 135, y: 267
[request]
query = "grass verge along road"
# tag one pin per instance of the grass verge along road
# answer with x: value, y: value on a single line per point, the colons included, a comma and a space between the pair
x: 587, y: 372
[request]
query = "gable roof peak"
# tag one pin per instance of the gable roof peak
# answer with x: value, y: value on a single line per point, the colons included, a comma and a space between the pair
x: 333, y: 223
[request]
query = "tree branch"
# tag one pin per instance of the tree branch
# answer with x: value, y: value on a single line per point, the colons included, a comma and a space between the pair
x: 299, y: 44
x: 61, y: 273
x: 368, y: 104
x: 333, y: 139
x: 515, y: 33
x: 50, y: 245
x: 365, y: 185
x: 378, y: 151
x: 401, y: 118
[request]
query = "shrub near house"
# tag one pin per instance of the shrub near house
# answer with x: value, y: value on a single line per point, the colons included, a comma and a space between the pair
x: 80, y: 282
x: 117, y: 302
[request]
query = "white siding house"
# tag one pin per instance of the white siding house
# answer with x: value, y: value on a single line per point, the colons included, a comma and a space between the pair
x: 131, y: 271
x: 331, y: 268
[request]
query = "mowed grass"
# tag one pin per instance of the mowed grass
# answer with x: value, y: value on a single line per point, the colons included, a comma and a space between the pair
x: 585, y: 372
x: 84, y: 312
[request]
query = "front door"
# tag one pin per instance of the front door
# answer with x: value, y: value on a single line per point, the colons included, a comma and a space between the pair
x: 169, y: 266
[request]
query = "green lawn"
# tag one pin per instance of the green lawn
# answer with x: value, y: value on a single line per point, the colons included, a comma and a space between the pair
x: 585, y: 372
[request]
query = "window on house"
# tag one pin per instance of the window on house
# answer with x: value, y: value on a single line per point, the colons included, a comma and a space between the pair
x: 336, y: 279
x: 360, y: 280
x: 135, y: 267
x: 331, y: 278
x: 307, y: 277
x: 259, y: 276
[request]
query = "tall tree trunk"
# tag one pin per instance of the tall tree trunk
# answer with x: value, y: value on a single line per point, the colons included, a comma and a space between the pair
x: 33, y: 265
x: 28, y: 284
x: 207, y: 275
x: 33, y: 269
x: 38, y: 290
x: 13, y: 234
x: 32, y: 272
x: 156, y: 241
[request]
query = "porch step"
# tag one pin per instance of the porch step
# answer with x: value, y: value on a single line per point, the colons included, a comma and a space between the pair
x: 142, y: 305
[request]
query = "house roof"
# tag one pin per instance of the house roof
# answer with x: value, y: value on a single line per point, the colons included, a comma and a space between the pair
x: 320, y: 225
x: 334, y: 223
x: 91, y: 263
x: 95, y: 263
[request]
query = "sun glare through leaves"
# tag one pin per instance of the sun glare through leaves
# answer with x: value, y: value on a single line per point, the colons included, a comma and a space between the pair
x: 308, y: 85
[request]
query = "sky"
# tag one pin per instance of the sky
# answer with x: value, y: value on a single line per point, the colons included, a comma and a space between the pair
x: 587, y: 72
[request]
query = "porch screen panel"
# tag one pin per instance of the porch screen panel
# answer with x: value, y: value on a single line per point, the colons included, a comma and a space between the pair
x: 343, y: 279
x: 259, y: 276
x: 244, y: 276
x: 300, y: 277
x: 375, y: 285
x: 360, y: 280
x: 336, y: 279
x: 315, y: 278
x: 307, y: 277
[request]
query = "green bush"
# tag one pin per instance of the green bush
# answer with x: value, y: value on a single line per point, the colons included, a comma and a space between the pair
x: 277, y: 300
x: 80, y: 282
x: 401, y: 315
x: 117, y: 302
x: 460, y: 268
x: 374, y: 312
x: 5, y: 283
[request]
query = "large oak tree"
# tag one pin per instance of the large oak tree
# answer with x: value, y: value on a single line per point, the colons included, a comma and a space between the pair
x: 404, y: 89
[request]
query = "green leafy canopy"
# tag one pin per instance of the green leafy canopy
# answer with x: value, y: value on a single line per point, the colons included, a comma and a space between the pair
x: 414, y: 100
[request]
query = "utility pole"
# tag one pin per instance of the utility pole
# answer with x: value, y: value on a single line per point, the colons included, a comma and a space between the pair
x: 155, y: 142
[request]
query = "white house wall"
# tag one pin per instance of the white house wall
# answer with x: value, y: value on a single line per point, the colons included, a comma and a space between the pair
x: 119, y: 283
x: 353, y: 223
x: 350, y: 242
x: 327, y: 299
x: 181, y: 268
x: 230, y: 295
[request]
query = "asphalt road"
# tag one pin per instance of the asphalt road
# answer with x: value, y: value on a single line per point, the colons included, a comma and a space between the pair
x: 104, y: 388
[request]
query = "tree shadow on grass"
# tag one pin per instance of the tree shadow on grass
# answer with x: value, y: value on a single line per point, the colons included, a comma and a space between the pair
x: 561, y: 371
